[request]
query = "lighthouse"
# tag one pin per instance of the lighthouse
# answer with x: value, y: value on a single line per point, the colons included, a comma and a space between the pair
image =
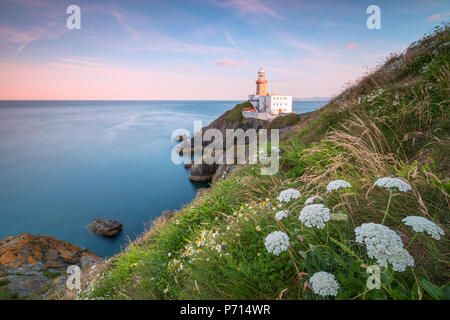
x: 266, y: 106
x: 261, y: 83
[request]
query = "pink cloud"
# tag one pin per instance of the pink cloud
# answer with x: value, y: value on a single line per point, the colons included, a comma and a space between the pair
x: 351, y: 46
x: 438, y: 16
x: 230, y: 63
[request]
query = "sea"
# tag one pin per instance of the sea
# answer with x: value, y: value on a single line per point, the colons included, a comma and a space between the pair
x: 64, y: 163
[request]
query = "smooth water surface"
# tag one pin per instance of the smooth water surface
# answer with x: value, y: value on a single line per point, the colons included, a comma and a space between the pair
x: 64, y: 163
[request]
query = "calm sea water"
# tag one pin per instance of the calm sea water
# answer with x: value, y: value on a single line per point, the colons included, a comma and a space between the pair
x: 64, y: 163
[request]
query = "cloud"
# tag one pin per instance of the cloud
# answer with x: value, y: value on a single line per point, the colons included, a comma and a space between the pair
x: 172, y: 45
x: 249, y: 6
x: 119, y: 17
x: 438, y: 16
x: 351, y: 46
x: 230, y: 39
x: 230, y: 63
x: 24, y: 37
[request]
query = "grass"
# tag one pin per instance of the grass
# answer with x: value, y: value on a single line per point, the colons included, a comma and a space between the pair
x: 393, y: 122
x: 52, y: 274
x: 235, y: 114
x: 283, y: 121
x: 4, y: 293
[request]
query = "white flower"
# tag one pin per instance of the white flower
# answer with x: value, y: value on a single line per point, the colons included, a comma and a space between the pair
x: 324, y: 284
x: 385, y: 245
x: 288, y: 194
x: 276, y: 242
x: 315, y: 215
x: 338, y: 184
x: 420, y: 224
x: 311, y: 200
x: 393, y: 183
x: 401, y: 260
x: 281, y: 214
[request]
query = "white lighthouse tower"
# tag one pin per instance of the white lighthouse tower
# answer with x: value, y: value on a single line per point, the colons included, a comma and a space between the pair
x: 267, y: 106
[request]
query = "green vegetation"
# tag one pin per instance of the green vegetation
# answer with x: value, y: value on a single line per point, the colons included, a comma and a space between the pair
x: 4, y: 293
x: 284, y: 121
x: 235, y: 114
x: 52, y: 274
x: 391, y: 123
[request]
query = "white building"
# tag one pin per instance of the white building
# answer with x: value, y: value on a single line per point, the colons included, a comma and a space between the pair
x: 267, y: 106
x: 275, y: 104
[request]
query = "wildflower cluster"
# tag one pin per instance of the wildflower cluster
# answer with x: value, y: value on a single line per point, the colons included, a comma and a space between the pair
x: 420, y: 224
x: 385, y: 245
x: 393, y: 183
x: 338, y: 184
x: 277, y: 242
x: 313, y: 199
x: 207, y: 239
x: 288, y: 195
x: 315, y: 215
x: 370, y: 97
x: 281, y: 214
x: 324, y: 284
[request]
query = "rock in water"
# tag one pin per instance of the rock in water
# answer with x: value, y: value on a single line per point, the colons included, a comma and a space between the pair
x: 105, y: 227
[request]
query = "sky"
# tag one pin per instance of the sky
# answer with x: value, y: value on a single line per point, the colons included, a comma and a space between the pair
x: 199, y: 49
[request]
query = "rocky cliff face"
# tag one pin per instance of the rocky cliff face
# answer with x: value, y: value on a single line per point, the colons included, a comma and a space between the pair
x: 28, y: 262
x: 232, y: 119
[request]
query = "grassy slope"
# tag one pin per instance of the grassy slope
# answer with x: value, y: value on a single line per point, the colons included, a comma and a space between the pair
x: 393, y: 122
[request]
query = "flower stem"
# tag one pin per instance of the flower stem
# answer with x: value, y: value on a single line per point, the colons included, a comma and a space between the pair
x: 412, y: 240
x: 387, y: 208
x: 343, y: 203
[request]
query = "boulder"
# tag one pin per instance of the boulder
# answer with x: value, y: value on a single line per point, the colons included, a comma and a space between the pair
x: 87, y: 262
x: 24, y: 285
x: 27, y: 259
x: 203, y: 172
x: 105, y: 227
x: 26, y: 251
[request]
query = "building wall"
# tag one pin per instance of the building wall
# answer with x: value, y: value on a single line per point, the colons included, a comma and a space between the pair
x: 280, y: 104
x: 272, y: 103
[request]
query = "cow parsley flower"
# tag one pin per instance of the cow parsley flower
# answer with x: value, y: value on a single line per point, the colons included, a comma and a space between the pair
x: 311, y: 200
x: 420, y: 224
x: 338, y: 184
x: 385, y: 245
x: 281, y: 214
x: 401, y: 260
x: 315, y: 215
x: 393, y: 183
x: 324, y: 284
x: 276, y: 242
x: 288, y: 194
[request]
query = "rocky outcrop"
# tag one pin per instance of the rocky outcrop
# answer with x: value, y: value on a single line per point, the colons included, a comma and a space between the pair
x: 27, y: 261
x: 26, y: 249
x: 105, y: 227
x: 223, y: 171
